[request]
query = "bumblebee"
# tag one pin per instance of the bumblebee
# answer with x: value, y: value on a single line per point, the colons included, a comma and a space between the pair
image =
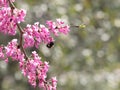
x: 50, y: 45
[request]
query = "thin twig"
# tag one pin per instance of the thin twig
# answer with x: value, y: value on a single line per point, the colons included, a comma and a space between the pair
x: 21, y: 32
x: 21, y: 41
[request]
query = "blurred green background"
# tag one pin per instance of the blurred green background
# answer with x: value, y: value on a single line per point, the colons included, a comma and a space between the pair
x: 86, y: 59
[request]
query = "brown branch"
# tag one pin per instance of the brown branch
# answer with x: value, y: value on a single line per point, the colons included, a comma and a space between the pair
x: 11, y: 4
x: 21, y: 32
x: 21, y: 41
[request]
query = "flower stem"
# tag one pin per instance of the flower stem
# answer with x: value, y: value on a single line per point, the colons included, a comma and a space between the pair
x: 20, y: 31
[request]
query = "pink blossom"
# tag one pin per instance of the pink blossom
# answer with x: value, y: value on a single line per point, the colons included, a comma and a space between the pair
x: 51, y: 84
x: 35, y: 70
x: 6, y: 60
x: 28, y: 40
x: 9, y: 19
x: 62, y: 27
x: 19, y: 15
x: 58, y: 27
x: 49, y: 87
x: 54, y: 83
x: 34, y: 35
x: 4, y: 3
x: 52, y: 27
x: 45, y: 34
x: 12, y: 50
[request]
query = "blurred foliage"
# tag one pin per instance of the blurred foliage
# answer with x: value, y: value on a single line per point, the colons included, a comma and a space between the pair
x: 86, y: 59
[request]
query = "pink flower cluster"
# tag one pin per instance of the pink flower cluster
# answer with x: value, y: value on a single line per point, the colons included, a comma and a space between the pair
x: 32, y: 35
x: 35, y: 34
x: 36, y: 72
x: 33, y: 68
x: 11, y: 50
x: 9, y: 19
x: 58, y: 27
x: 4, y: 3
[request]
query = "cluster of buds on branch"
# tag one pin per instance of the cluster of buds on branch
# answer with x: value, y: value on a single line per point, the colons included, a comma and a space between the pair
x: 31, y: 66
